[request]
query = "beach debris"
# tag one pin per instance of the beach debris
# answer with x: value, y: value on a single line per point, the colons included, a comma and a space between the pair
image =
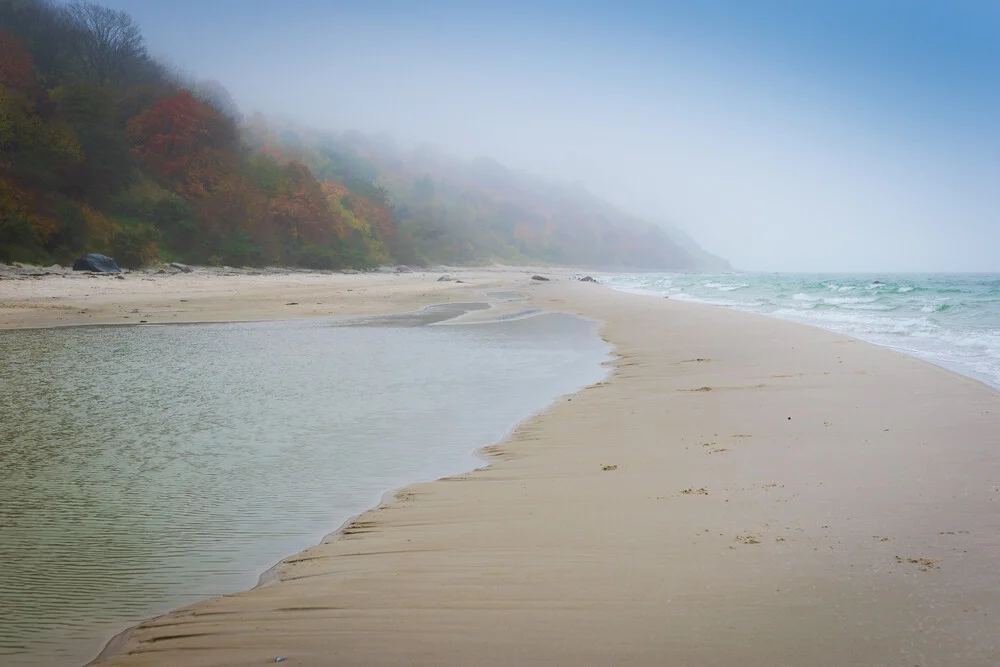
x: 748, y: 539
x: 96, y: 263
x: 923, y: 564
x: 607, y: 468
x: 542, y: 278
x: 292, y: 303
x: 702, y: 491
x: 588, y: 279
x: 280, y: 658
x: 446, y: 278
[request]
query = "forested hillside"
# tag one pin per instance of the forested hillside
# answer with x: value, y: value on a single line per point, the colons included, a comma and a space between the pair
x: 102, y: 149
x: 455, y: 211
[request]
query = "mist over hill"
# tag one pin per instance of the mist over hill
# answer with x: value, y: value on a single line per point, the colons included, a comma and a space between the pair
x: 455, y: 210
x: 105, y: 149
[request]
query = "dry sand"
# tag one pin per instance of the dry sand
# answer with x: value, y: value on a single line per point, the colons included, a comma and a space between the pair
x: 73, y: 298
x: 741, y: 491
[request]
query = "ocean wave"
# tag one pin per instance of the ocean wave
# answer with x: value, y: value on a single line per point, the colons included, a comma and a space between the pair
x: 920, y: 315
x: 841, y: 300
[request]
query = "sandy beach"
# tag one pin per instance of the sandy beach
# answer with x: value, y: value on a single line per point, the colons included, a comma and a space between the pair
x: 740, y: 491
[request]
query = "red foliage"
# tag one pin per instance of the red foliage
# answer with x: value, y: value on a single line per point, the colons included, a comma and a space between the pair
x: 17, y: 69
x: 168, y: 136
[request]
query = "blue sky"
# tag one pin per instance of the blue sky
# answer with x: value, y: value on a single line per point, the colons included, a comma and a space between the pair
x: 782, y: 135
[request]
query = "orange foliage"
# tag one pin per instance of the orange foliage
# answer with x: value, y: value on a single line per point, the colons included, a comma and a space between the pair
x: 17, y: 69
x: 206, y: 171
x: 377, y: 216
x: 44, y: 228
x: 301, y: 208
x: 333, y: 190
x: 234, y: 206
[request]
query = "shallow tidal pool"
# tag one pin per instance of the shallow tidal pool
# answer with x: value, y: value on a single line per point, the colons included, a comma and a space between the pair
x: 145, y: 468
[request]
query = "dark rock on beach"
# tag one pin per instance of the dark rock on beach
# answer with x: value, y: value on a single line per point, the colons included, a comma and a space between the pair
x: 96, y: 263
x: 539, y: 278
x: 588, y: 279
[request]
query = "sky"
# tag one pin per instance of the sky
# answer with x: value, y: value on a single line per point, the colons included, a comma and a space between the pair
x: 784, y: 136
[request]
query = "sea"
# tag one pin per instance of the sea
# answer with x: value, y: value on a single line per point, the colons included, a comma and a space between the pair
x: 952, y: 320
x: 144, y: 468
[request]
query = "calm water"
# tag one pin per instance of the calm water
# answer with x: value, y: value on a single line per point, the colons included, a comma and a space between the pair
x: 949, y: 319
x: 145, y: 468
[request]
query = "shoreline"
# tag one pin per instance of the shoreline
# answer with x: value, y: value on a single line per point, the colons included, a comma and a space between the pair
x: 851, y: 307
x: 205, y: 296
x: 501, y: 307
x: 272, y: 574
x: 487, y: 573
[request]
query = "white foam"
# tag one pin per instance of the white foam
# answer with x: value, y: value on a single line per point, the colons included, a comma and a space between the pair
x: 891, y: 314
x: 848, y: 299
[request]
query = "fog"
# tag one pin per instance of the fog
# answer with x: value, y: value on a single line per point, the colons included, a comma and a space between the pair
x: 851, y: 136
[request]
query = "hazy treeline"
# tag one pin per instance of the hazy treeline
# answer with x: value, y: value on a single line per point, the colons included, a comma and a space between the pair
x: 102, y: 149
x: 453, y: 211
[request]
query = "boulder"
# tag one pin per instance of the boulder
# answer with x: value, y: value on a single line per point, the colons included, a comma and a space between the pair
x: 184, y: 268
x: 446, y: 279
x: 539, y: 278
x: 96, y: 263
x: 588, y: 279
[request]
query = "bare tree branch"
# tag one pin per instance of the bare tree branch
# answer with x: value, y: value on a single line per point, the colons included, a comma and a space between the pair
x: 108, y: 41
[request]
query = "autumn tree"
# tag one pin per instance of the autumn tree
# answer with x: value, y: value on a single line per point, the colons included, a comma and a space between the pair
x: 17, y: 68
x: 107, y: 42
x: 174, y: 131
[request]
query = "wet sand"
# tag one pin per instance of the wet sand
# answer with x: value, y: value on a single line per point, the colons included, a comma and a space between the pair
x: 742, y: 490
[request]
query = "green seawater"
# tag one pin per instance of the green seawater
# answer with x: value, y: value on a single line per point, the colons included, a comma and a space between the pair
x: 949, y: 319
